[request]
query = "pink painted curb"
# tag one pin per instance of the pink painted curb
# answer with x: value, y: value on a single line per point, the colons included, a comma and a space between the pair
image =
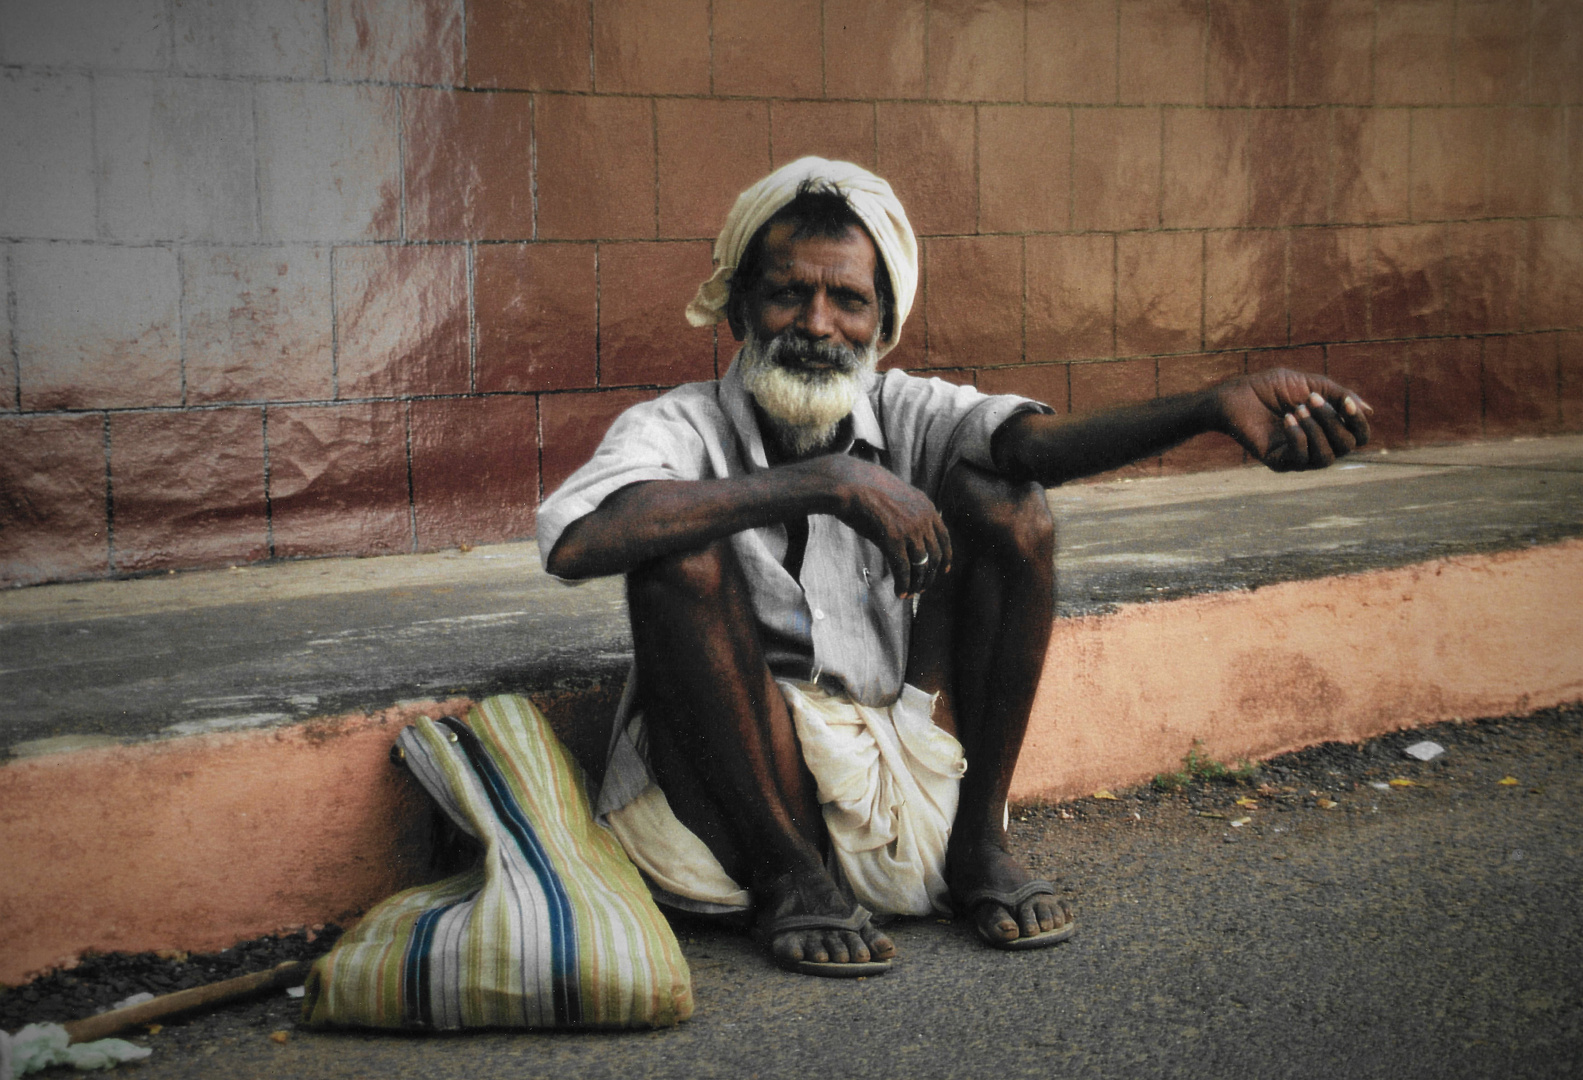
x: 1254, y: 674
x: 200, y: 842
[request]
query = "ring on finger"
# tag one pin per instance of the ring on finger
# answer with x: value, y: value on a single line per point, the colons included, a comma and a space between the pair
x: 923, y: 561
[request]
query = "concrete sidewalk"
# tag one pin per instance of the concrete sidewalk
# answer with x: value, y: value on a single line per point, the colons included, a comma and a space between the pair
x: 92, y: 663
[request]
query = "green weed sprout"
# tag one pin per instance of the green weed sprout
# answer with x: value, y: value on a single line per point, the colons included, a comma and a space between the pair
x: 1198, y: 766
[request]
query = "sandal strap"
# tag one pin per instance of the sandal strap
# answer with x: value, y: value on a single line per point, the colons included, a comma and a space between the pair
x: 1009, y: 900
x: 854, y: 922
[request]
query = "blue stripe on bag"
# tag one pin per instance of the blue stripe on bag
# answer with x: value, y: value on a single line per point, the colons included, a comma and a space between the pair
x: 563, y: 937
x: 415, y: 971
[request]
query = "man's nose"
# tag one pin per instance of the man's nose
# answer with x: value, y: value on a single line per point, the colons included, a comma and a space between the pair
x: 818, y: 316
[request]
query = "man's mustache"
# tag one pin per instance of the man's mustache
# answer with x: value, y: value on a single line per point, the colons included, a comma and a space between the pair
x: 806, y: 356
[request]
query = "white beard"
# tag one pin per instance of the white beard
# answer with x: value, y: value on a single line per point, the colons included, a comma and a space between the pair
x: 805, y: 406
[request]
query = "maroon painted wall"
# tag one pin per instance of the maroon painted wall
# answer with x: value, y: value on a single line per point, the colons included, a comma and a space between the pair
x: 289, y: 278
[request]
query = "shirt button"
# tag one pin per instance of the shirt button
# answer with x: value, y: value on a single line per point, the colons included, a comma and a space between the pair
x: 817, y: 613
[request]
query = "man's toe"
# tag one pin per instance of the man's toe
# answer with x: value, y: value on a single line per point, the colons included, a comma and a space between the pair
x: 1050, y: 913
x: 793, y: 947
x: 1035, y: 917
x: 879, y: 946
x: 831, y: 947
x: 1046, y: 912
x: 996, y: 922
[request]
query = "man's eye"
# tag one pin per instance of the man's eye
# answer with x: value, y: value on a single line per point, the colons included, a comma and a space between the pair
x: 852, y: 301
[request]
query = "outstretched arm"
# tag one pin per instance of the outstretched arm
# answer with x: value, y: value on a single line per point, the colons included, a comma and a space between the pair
x: 1286, y: 419
x: 661, y: 517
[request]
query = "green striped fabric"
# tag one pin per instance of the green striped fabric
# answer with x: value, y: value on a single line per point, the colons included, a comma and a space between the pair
x: 553, y: 929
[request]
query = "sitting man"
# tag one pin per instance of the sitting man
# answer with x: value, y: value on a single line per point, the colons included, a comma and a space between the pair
x: 841, y: 587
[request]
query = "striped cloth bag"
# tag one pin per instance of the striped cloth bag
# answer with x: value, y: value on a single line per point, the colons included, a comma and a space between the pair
x: 553, y: 929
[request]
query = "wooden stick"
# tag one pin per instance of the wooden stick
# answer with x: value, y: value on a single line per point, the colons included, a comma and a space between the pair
x: 291, y: 973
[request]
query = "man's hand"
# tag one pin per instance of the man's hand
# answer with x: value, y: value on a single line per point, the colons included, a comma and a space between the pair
x: 1285, y: 419
x: 891, y: 514
x: 1292, y: 421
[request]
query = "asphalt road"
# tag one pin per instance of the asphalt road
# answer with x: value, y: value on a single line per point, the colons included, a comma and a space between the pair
x: 1434, y: 931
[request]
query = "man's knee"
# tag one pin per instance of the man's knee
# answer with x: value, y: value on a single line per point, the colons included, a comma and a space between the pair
x: 999, y: 516
x: 701, y: 575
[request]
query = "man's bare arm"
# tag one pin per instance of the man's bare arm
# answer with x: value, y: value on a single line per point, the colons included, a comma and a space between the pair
x: 663, y: 517
x: 1286, y: 419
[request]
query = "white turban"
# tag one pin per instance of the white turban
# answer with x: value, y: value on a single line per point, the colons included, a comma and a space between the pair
x: 870, y: 197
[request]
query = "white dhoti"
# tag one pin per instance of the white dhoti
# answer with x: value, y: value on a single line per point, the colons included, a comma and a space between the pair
x: 888, y: 780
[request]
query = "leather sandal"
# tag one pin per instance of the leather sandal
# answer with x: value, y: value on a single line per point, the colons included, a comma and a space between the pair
x: 1011, y: 901
x: 829, y: 969
x: 857, y: 920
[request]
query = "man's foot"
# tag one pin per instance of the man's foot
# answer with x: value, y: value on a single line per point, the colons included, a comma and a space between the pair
x: 814, y: 929
x: 1009, y: 908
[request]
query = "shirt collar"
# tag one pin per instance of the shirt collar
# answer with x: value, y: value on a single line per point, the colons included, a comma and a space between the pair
x: 738, y: 406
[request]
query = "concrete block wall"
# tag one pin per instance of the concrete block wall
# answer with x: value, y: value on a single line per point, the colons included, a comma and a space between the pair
x: 302, y: 277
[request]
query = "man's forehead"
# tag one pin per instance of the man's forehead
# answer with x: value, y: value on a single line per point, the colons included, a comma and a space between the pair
x: 852, y: 251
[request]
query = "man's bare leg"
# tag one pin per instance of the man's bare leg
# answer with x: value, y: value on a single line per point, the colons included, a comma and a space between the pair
x: 979, y: 639
x: 724, y: 749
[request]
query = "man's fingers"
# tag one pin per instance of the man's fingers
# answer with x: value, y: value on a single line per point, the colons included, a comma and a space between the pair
x: 1352, y: 410
x: 1320, y: 454
x: 1344, y: 419
x: 905, y: 525
x: 1336, y: 434
x: 922, y: 564
x: 900, y: 567
x: 912, y: 564
x: 943, y: 536
x: 1354, y: 413
x: 1334, y: 392
x: 1320, y: 420
x: 928, y: 557
x: 1290, y: 453
x: 920, y: 569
